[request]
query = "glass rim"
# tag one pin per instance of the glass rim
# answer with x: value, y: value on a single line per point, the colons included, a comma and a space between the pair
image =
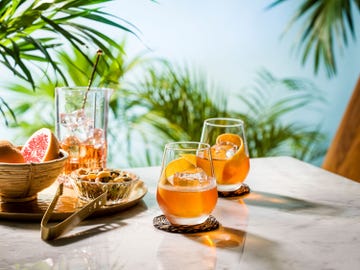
x: 197, y: 145
x: 84, y: 88
x: 232, y: 122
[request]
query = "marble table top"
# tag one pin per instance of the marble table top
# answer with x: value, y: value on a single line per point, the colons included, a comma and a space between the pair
x: 297, y: 216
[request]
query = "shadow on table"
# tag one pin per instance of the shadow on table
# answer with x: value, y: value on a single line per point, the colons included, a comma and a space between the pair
x: 287, y: 203
x: 225, y: 248
x: 220, y: 248
x: 98, y: 225
x: 223, y: 237
x: 80, y: 235
x: 108, y: 223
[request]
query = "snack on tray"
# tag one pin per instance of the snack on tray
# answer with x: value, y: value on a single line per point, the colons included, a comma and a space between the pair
x: 91, y: 183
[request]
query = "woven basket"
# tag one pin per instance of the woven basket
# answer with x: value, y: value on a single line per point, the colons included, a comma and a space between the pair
x: 22, y: 181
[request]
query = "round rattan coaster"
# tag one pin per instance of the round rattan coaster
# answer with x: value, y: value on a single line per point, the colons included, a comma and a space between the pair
x: 244, y: 189
x: 161, y: 223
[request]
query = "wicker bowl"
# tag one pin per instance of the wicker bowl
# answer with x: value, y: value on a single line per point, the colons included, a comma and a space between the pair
x: 21, y: 182
x: 118, y: 184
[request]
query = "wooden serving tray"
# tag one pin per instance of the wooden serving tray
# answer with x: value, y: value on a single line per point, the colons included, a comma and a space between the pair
x: 67, y: 204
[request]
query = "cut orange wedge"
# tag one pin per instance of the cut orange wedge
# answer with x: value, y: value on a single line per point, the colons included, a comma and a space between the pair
x: 179, y: 165
x: 201, y: 161
x: 238, y: 164
x: 234, y: 169
x: 229, y: 137
x: 190, y: 158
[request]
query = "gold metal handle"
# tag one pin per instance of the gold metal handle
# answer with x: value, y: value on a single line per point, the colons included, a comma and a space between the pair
x: 53, y: 232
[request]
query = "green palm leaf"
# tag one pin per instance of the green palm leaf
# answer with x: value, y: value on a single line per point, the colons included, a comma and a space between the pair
x: 23, y: 25
x: 5, y: 110
x: 326, y: 27
x: 21, y: 20
x: 265, y: 116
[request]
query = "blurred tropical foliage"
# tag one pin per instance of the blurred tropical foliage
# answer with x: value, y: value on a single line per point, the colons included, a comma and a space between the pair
x: 169, y: 103
x: 32, y: 31
x: 267, y: 107
x: 326, y: 29
x: 154, y: 101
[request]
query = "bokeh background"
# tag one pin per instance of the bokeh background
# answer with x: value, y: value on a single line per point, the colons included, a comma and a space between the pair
x: 230, y: 41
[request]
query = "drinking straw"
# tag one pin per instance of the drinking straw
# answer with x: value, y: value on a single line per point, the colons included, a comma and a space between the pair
x: 99, y: 53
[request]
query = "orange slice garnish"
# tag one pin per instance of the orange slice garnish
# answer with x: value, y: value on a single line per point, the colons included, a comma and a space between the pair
x: 238, y: 164
x: 229, y: 137
x: 235, y: 167
x: 178, y: 165
x: 191, y: 158
x: 202, y: 161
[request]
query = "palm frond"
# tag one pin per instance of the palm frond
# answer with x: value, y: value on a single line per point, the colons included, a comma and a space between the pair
x: 326, y: 28
x: 264, y: 114
x: 5, y: 110
x: 24, y: 23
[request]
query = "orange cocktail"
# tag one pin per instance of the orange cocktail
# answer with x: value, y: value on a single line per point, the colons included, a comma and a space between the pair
x: 186, y: 192
x: 229, y: 151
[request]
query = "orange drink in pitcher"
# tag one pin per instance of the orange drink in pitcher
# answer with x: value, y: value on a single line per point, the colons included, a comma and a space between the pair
x: 81, y: 126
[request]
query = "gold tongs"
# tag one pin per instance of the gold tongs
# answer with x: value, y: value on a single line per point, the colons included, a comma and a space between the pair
x: 53, y: 232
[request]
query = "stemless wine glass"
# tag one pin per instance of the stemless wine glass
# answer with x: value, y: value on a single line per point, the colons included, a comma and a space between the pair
x: 229, y: 151
x: 186, y: 191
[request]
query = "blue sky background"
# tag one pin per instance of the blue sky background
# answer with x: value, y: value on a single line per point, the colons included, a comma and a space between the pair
x: 231, y: 40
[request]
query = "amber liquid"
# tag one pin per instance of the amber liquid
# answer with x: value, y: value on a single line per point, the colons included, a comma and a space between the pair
x: 182, y: 202
x: 84, y: 156
x: 229, y: 172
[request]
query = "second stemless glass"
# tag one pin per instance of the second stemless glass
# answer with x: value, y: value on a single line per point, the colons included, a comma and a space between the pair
x: 186, y: 191
x: 229, y: 151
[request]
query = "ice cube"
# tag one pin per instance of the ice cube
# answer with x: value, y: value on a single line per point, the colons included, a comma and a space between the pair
x: 99, y: 137
x: 83, y: 131
x: 192, y: 178
x: 83, y: 151
x: 66, y: 119
x: 224, y: 150
x: 232, y: 151
x: 74, y: 118
x: 96, y: 137
x: 80, y: 117
x: 77, y: 124
x: 72, y: 145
